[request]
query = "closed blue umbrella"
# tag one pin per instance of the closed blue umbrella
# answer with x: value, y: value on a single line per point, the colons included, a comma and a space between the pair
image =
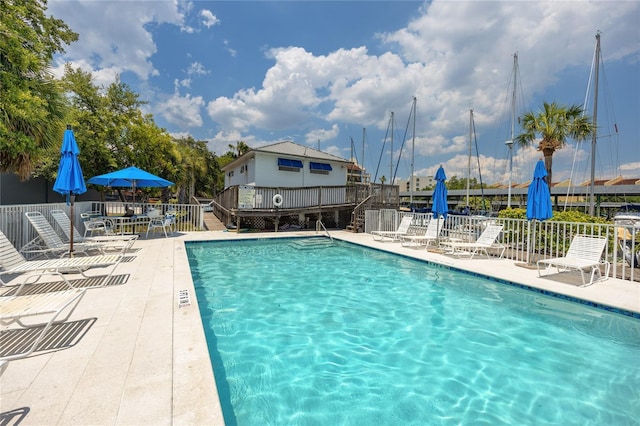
x: 440, y: 206
x: 538, y: 200
x: 70, y: 181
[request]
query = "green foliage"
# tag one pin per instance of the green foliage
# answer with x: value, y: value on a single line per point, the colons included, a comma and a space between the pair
x: 32, y: 107
x: 461, y: 183
x: 576, y: 216
x: 513, y: 213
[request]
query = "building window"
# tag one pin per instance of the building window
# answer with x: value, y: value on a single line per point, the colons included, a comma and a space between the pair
x: 230, y: 174
x: 320, y: 168
x: 289, y: 165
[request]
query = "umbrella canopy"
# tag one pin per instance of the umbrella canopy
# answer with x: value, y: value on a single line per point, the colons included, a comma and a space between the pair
x: 131, y: 176
x: 70, y: 181
x: 539, y: 198
x: 440, y: 206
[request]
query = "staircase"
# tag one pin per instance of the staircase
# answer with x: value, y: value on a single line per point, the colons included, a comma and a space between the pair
x: 357, y: 216
x: 212, y: 223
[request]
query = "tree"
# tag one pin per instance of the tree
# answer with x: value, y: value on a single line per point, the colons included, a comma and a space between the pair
x: 201, y: 168
x: 239, y: 149
x: 555, y: 124
x: 31, y: 102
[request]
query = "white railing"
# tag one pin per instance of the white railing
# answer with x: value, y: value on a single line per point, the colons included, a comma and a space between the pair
x: 13, y: 223
x: 526, y: 241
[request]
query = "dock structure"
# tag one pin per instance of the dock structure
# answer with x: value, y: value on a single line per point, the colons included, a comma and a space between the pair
x: 256, y: 207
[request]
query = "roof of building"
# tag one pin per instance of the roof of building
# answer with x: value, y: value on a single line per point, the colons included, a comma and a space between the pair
x: 288, y: 148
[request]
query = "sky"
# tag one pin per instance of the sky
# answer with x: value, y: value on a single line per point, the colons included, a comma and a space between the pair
x: 329, y: 75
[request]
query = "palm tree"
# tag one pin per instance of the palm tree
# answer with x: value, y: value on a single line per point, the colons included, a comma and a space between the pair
x: 555, y: 124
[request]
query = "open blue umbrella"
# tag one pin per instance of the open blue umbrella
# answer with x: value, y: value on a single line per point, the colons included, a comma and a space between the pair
x: 440, y: 206
x: 70, y: 181
x: 130, y: 177
x: 538, y: 199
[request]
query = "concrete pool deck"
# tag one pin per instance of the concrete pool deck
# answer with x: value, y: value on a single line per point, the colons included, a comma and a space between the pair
x: 141, y: 359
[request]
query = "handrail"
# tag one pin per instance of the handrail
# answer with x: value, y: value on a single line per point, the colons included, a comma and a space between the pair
x: 319, y: 225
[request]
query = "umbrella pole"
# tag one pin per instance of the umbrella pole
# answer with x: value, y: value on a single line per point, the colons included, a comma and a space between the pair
x: 73, y: 199
x: 528, y: 241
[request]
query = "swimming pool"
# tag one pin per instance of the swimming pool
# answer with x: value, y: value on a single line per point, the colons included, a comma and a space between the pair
x: 303, y: 331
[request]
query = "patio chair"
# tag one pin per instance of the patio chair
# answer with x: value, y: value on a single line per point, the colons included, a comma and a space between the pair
x: 14, y: 263
x: 487, y: 240
x: 122, y: 242
x: 94, y: 223
x: 47, y: 306
x: 162, y: 222
x: 49, y: 243
x: 431, y: 234
x: 402, y: 230
x: 585, y: 253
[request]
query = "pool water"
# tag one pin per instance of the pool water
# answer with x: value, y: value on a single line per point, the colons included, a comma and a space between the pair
x: 309, y: 332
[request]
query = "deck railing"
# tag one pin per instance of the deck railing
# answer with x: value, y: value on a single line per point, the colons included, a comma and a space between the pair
x: 235, y: 200
x: 526, y: 241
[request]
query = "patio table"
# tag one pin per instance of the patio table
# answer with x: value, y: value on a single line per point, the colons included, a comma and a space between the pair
x: 127, y: 224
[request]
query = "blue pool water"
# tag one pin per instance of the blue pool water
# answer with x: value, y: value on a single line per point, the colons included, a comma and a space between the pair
x: 318, y: 333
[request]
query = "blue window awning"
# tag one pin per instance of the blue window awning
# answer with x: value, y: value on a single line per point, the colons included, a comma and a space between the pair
x: 320, y: 166
x: 287, y: 162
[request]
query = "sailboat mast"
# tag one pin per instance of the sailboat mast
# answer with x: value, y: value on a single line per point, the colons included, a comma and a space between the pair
x: 391, y: 159
x: 364, y: 132
x: 595, y: 127
x: 413, y: 148
x: 469, y: 156
x: 513, y: 126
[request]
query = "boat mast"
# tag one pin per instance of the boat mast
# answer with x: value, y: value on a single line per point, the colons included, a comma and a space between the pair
x: 595, y: 127
x: 513, y: 126
x: 364, y: 132
x: 469, y: 156
x: 413, y: 148
x: 391, y: 159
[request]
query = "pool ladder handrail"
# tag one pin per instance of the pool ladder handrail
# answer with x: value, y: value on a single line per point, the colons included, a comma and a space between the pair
x: 320, y: 225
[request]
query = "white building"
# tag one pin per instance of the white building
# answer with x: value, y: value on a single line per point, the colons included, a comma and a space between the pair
x: 418, y: 182
x: 286, y: 164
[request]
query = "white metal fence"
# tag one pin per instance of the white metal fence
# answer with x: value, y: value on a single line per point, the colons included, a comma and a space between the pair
x: 13, y: 223
x: 526, y: 241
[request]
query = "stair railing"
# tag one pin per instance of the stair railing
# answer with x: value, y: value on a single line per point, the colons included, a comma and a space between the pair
x: 320, y: 226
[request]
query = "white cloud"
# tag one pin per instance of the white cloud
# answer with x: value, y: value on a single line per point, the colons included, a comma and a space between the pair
x: 112, y: 39
x: 316, y: 135
x: 208, y: 18
x: 196, y: 68
x: 183, y: 111
x: 231, y: 51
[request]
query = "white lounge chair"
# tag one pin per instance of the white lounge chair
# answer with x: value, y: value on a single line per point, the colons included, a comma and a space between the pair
x: 119, y: 242
x: 431, y: 234
x: 13, y: 263
x: 402, y: 230
x: 488, y: 239
x: 47, y: 306
x: 585, y: 253
x: 49, y: 243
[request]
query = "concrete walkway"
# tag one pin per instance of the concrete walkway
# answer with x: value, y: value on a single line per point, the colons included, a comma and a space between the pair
x: 137, y: 358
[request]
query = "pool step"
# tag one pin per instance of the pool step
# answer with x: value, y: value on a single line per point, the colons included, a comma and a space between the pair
x: 311, y: 243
